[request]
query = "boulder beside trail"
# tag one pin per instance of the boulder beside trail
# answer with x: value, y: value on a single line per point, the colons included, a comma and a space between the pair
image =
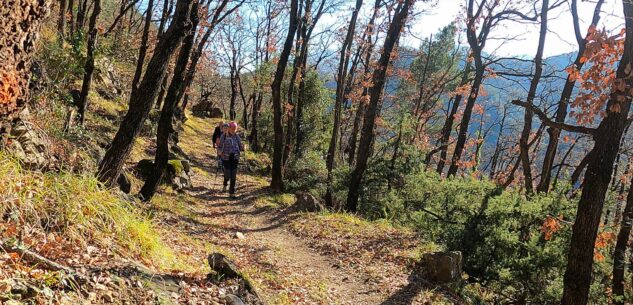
x: 306, y: 202
x: 442, y: 267
x: 206, y: 110
x: 223, y: 266
x: 178, y: 174
x: 28, y: 145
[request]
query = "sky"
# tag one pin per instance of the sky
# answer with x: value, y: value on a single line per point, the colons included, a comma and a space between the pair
x: 559, y: 40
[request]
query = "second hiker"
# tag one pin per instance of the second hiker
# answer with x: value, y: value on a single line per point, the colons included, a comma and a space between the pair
x: 230, y: 147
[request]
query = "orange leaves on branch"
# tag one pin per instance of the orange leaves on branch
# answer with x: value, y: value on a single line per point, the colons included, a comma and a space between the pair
x: 598, y: 80
x: 550, y: 226
x: 603, y: 240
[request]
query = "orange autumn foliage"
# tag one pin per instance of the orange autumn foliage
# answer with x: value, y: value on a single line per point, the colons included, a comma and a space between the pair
x: 598, y: 80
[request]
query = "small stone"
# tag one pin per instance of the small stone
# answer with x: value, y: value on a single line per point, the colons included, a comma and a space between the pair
x: 231, y: 299
x: 239, y: 235
x: 108, y: 297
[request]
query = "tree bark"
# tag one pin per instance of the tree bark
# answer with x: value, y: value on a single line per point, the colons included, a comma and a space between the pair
x: 144, y: 46
x: 340, y: 96
x: 360, y: 110
x: 563, y: 103
x: 71, y: 12
x: 141, y: 103
x: 277, y: 183
x: 19, y: 29
x: 90, y: 62
x: 168, y: 5
x: 378, y: 79
x: 448, y: 123
x: 174, y: 95
x: 577, y: 280
x: 524, y: 153
x: 619, y: 253
x: 61, y: 22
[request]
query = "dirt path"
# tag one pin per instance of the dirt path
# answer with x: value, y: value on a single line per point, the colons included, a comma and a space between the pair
x: 283, y: 266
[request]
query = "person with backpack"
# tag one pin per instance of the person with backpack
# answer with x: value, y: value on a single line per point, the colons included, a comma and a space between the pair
x: 230, y: 148
x: 219, y: 131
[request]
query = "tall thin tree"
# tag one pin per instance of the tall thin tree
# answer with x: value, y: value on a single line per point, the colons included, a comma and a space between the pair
x: 277, y: 183
x: 141, y: 103
x: 340, y: 90
x: 400, y: 15
x: 90, y: 61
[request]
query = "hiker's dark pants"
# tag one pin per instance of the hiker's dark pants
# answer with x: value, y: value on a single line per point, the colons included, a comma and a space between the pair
x: 230, y: 174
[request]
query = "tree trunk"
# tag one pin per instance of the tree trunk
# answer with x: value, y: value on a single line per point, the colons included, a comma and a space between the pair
x: 277, y: 183
x: 61, y: 22
x: 577, y: 278
x: 360, y: 111
x: 167, y: 8
x: 378, y: 79
x: 234, y: 93
x: 527, y: 119
x: 296, y: 66
x: 340, y: 97
x: 174, y: 95
x: 563, y: 103
x: 468, y: 110
x: 621, y: 246
x: 141, y: 103
x: 163, y: 91
x: 71, y: 12
x: 90, y: 62
x: 495, y: 155
x: 448, y: 124
x: 19, y: 31
x: 143, y: 49
x: 254, y: 115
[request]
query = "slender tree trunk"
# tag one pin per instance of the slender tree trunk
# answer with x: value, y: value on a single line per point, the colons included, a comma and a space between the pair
x: 360, y: 111
x: 468, y: 110
x: 82, y: 6
x: 619, y: 253
x: 255, y: 114
x: 19, y: 31
x: 163, y: 91
x: 71, y: 12
x: 299, y: 131
x: 379, y: 77
x: 277, y: 183
x: 562, y: 162
x: 577, y: 280
x: 141, y: 103
x: 495, y: 155
x: 527, y: 119
x: 144, y: 46
x: 563, y: 103
x: 61, y: 22
x: 90, y: 62
x: 167, y: 8
x: 340, y: 97
x: 175, y: 93
x: 234, y: 93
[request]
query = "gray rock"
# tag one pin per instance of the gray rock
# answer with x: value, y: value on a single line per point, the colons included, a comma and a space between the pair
x: 442, y: 267
x: 239, y: 235
x: 308, y: 203
x: 222, y: 265
x: 178, y: 174
x: 108, y: 85
x: 231, y: 299
x: 28, y: 145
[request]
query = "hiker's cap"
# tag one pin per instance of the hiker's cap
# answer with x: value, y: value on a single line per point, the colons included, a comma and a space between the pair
x: 232, y: 124
x: 225, y: 124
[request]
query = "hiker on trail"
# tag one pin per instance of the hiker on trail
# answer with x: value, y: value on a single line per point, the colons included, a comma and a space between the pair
x: 217, y: 132
x: 230, y: 147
